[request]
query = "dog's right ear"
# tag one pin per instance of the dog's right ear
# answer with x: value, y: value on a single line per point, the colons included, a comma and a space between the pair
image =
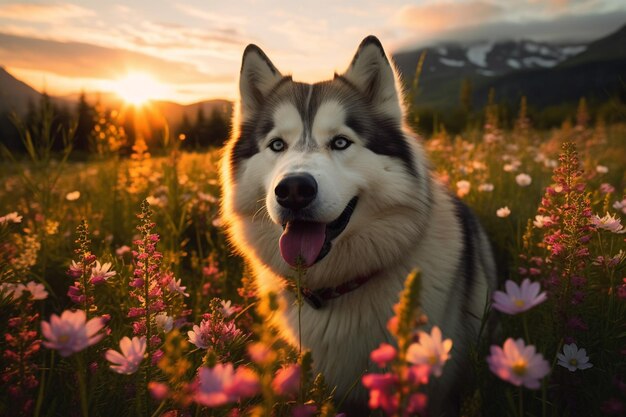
x: 258, y: 76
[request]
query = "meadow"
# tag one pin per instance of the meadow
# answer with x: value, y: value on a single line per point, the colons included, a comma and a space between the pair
x: 120, y: 296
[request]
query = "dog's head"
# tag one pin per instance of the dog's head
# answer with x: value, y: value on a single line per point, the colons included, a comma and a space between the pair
x: 318, y: 159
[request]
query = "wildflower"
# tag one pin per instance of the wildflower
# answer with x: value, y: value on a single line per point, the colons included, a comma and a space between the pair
x: 222, y: 384
x: 11, y: 218
x: 608, y: 222
x: 601, y: 169
x: 100, y: 273
x: 122, y: 250
x: 287, y: 380
x: 75, y: 270
x: 164, y: 322
x: 132, y: 352
x: 606, y: 188
x: 503, y: 212
x: 620, y: 205
x: 381, y: 387
x: 430, y: 350
x: 486, y: 187
x: 518, y: 299
x: 512, y: 167
x: 383, y: 355
x: 12, y: 290
x: 174, y: 286
x: 199, y: 336
x: 73, y: 196
x: 518, y: 364
x: 523, y: 180
x: 259, y: 352
x: 541, y: 221
x: 158, y: 390
x: 573, y: 358
x: 71, y: 332
x: 227, y: 309
x: 463, y: 188
x: 37, y: 291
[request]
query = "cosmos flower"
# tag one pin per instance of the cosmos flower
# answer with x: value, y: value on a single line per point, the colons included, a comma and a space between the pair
x: 503, y: 212
x: 541, y: 221
x: 523, y: 180
x: 430, y: 350
x: 620, y: 205
x: 37, y: 291
x: 71, y: 332
x: 608, y: 222
x: 486, y: 187
x: 73, y: 196
x: 129, y: 358
x: 573, y: 358
x: 222, y: 384
x: 601, y: 169
x: 164, y: 323
x: 11, y: 218
x: 287, y: 380
x: 518, y: 299
x: 518, y: 364
x: 174, y: 286
x: 101, y: 273
x: 463, y: 188
x: 228, y: 309
x: 199, y: 335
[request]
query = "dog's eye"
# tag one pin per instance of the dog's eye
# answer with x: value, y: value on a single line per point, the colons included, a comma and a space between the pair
x: 339, y: 143
x: 277, y: 145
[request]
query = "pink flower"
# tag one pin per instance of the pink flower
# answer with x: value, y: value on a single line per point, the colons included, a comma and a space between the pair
x: 503, y: 212
x: 287, y: 380
x: 518, y: 299
x: 71, y: 332
x: 228, y: 309
x: 37, y: 291
x: 100, y: 273
x: 608, y: 222
x: 174, y: 286
x: 384, y: 354
x: 132, y: 352
x: 158, y: 390
x: 381, y: 387
x: 11, y: 218
x: 200, y: 335
x: 430, y: 350
x: 523, y: 180
x: 75, y: 270
x: 221, y: 384
x: 518, y: 364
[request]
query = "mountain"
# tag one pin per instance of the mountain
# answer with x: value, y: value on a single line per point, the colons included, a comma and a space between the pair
x: 547, y: 73
x: 14, y: 94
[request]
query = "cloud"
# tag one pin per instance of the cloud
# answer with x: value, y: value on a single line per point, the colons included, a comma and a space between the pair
x: 431, y: 18
x: 43, y: 13
x: 76, y: 59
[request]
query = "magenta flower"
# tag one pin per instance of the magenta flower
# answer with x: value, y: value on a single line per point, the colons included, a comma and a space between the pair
x: 383, y: 355
x: 71, y: 332
x: 222, y: 384
x: 287, y: 380
x: 132, y: 352
x: 430, y: 350
x: 381, y: 388
x: 518, y: 299
x: 518, y: 364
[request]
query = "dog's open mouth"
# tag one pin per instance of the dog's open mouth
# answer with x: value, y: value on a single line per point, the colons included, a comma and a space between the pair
x: 308, y: 242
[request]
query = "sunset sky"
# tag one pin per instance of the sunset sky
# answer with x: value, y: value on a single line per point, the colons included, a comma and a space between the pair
x: 191, y: 50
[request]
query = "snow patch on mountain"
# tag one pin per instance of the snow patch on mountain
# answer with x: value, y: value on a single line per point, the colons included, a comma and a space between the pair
x: 451, y: 62
x: 477, y: 54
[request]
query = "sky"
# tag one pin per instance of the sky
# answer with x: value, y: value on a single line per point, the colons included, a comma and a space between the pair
x: 188, y: 51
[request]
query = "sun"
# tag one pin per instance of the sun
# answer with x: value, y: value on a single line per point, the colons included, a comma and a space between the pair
x: 137, y: 88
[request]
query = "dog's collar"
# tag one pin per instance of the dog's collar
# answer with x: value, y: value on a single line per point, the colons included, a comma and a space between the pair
x: 318, y: 298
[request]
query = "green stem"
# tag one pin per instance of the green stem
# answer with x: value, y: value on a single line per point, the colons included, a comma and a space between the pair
x: 526, y: 332
x: 82, y: 385
x: 520, y: 409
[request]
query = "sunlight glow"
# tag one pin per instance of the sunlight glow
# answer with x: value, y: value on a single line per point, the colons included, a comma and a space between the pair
x: 137, y: 88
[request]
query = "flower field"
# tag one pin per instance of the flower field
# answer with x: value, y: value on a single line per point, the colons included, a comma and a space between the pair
x: 119, y: 295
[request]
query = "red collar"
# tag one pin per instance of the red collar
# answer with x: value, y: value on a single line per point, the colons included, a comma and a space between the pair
x: 318, y: 298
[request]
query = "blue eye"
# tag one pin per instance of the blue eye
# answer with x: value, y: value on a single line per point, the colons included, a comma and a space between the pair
x: 277, y: 145
x: 339, y: 143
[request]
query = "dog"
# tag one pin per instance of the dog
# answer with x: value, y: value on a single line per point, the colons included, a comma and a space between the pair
x: 327, y: 177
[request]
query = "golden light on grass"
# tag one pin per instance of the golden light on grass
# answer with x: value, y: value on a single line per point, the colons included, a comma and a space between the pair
x: 137, y: 88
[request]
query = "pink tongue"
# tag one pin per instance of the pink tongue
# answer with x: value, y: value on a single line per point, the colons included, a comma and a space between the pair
x: 302, y: 240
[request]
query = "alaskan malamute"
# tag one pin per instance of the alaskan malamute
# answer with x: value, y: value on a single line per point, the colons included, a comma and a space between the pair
x: 327, y: 175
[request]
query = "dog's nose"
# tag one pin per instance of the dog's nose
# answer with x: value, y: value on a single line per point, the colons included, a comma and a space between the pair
x: 296, y: 191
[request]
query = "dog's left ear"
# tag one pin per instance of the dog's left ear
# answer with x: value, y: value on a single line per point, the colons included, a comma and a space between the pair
x: 371, y: 72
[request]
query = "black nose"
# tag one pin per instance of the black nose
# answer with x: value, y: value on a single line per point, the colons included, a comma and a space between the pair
x: 296, y: 191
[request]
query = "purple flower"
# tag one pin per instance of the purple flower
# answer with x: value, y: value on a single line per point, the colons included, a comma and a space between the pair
x: 71, y: 332
x: 132, y: 351
x: 518, y: 299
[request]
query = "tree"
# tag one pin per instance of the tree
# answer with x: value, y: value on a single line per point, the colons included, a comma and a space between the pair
x: 85, y: 115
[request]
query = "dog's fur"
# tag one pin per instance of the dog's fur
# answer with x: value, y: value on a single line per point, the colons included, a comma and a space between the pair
x: 403, y: 219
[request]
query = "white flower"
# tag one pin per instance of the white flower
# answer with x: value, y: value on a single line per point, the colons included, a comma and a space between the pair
x: 541, y: 221
x: 573, y: 358
x: 463, y: 188
x: 164, y: 322
x: 608, y: 222
x: 601, y: 169
x: 11, y: 218
x: 503, y: 212
x: 523, y: 180
x: 430, y: 350
x: 73, y: 196
x: 486, y: 187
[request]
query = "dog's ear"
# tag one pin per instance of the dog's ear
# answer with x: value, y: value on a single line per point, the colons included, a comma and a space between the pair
x: 371, y: 72
x: 258, y: 76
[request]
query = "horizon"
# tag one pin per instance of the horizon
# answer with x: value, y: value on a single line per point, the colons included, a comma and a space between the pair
x: 186, y: 53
